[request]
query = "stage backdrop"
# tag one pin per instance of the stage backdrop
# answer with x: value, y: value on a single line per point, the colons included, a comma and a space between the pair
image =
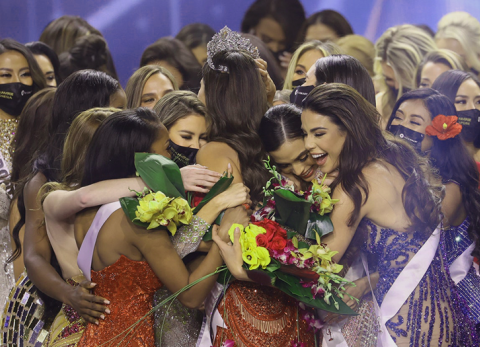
x: 131, y: 25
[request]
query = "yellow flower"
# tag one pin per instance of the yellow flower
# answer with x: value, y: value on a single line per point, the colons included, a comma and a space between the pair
x: 184, y: 212
x: 253, y: 255
x: 262, y: 258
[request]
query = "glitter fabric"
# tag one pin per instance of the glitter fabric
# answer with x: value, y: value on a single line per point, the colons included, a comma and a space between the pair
x: 361, y: 330
x: 175, y: 324
x: 456, y: 241
x: 260, y: 316
x: 228, y: 40
x: 22, y: 323
x: 129, y: 286
x: 434, y: 314
x: 8, y: 128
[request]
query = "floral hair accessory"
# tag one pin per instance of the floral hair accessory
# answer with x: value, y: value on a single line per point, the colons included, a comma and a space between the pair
x: 444, y: 127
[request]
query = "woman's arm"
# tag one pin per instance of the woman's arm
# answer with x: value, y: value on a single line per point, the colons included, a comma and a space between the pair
x: 165, y: 262
x: 61, y: 204
x: 452, y: 206
x: 217, y: 156
x: 37, y: 254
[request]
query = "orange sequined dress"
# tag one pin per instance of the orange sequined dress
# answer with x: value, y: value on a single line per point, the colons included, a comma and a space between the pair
x: 259, y: 315
x: 130, y: 286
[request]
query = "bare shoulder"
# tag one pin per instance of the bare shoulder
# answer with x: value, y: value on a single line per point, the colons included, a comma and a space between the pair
x: 217, y: 155
x: 381, y: 172
x: 453, y: 193
x: 216, y: 149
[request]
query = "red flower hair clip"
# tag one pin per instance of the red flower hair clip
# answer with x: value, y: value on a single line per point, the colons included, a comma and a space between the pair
x: 444, y: 127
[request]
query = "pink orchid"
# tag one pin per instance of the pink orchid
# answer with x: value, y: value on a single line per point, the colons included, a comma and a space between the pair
x: 297, y: 343
x: 228, y: 343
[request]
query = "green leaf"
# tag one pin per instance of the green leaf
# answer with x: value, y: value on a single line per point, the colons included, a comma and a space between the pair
x: 273, y: 266
x: 293, y: 211
x: 160, y: 174
x: 321, y: 225
x: 208, y: 235
x: 218, y: 188
x: 129, y: 207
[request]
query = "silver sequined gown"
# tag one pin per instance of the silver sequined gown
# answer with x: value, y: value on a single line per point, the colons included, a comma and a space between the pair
x: 7, y: 278
x: 434, y: 314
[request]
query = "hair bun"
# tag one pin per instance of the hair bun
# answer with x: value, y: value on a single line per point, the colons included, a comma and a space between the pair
x: 89, y: 52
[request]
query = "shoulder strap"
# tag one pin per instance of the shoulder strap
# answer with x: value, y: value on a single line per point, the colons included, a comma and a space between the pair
x: 85, y: 254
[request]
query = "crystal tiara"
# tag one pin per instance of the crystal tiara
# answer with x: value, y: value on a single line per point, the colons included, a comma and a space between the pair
x: 228, y: 40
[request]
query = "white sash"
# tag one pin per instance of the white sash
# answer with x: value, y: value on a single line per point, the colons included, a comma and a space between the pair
x: 403, y: 286
x: 461, y: 265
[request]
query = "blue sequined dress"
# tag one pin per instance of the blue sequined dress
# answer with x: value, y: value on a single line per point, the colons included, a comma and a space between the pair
x: 433, y: 314
x: 456, y: 242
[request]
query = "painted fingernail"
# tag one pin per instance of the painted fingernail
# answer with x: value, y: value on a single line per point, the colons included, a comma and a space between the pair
x: 107, y: 302
x: 102, y: 316
x: 96, y: 322
x: 94, y: 284
x: 107, y: 311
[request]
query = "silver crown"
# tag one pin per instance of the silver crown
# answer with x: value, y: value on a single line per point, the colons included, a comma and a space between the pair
x: 228, y: 40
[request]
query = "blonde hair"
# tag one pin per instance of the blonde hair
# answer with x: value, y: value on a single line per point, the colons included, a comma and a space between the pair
x: 403, y: 48
x: 360, y: 48
x: 326, y: 49
x: 78, y: 138
x: 137, y: 81
x: 441, y: 56
x: 464, y: 28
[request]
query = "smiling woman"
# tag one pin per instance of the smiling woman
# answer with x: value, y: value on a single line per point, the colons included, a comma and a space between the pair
x: 148, y: 85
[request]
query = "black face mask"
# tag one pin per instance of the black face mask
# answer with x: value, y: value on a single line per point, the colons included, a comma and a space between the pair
x: 413, y: 137
x: 299, y: 94
x: 298, y: 82
x: 470, y: 121
x: 182, y: 156
x: 13, y: 97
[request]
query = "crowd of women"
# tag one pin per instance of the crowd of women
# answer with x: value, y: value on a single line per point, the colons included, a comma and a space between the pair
x: 393, y: 126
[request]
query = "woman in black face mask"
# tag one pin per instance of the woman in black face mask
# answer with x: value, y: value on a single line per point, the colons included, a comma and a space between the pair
x: 185, y: 118
x: 463, y: 89
x: 20, y: 78
x: 427, y: 119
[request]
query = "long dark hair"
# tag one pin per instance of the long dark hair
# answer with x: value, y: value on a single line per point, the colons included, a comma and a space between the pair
x: 236, y: 102
x: 365, y: 143
x: 111, y: 152
x: 288, y: 13
x: 341, y: 68
x: 31, y: 131
x: 81, y: 91
x: 39, y: 81
x: 195, y: 35
x: 281, y: 123
x: 451, y: 158
x: 175, y: 53
x: 40, y: 48
x: 331, y: 19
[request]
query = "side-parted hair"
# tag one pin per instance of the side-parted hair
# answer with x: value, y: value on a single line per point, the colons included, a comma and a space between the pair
x: 177, y: 105
x: 326, y: 49
x: 236, y: 102
x: 347, y: 70
x: 281, y: 123
x: 38, y: 78
x: 441, y: 56
x: 449, y: 82
x: 288, y: 13
x: 464, y: 28
x: 136, y: 83
x: 360, y: 48
x: 364, y: 143
x: 111, y: 153
x: 450, y: 157
x: 175, y: 53
x: 40, y: 48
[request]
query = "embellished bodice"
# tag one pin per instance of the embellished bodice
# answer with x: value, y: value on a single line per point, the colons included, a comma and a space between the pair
x: 8, y: 128
x: 433, y: 314
x: 129, y: 286
x: 457, y: 242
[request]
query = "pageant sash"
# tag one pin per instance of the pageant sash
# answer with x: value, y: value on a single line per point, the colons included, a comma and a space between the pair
x: 461, y: 265
x: 85, y: 254
x: 4, y: 172
x: 332, y: 333
x: 212, y: 318
x: 403, y: 286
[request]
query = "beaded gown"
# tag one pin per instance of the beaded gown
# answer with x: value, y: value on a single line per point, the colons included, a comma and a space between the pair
x: 433, y: 314
x: 8, y: 128
x: 457, y: 241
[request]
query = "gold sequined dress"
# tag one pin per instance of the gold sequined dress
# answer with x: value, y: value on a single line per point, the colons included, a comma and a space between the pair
x: 8, y: 127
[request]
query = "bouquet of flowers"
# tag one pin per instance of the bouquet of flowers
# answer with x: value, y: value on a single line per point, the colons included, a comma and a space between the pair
x: 276, y: 257
x: 164, y: 206
x: 303, y: 211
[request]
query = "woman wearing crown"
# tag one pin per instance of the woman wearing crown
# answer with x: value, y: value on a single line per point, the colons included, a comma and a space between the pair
x: 234, y: 89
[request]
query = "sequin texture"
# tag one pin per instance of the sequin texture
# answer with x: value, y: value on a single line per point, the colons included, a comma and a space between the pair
x: 434, y: 314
